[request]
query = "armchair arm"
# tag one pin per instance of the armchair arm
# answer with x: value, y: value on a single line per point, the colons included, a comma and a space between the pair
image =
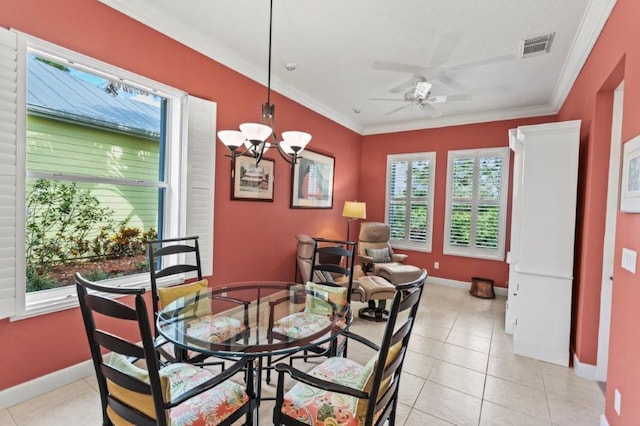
x: 317, y: 382
x: 399, y: 257
x: 226, y: 374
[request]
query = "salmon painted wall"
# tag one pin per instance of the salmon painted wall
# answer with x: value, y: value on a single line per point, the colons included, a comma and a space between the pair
x: 615, y: 57
x: 375, y: 149
x: 252, y: 240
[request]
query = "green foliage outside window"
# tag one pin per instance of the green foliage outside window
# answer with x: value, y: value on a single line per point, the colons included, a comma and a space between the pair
x: 66, y: 225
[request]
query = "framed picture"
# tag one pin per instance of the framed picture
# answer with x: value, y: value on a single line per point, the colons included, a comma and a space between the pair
x: 312, y: 181
x: 252, y: 182
x: 630, y: 188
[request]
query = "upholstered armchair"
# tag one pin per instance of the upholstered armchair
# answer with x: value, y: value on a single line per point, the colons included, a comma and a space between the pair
x: 365, y: 289
x: 374, y: 248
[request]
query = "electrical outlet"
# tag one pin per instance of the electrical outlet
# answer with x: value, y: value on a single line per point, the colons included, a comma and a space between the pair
x: 436, y: 265
x: 617, y: 401
x: 223, y: 294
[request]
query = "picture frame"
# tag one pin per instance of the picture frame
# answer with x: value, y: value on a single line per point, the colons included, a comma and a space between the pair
x: 312, y: 181
x: 630, y: 186
x: 251, y: 182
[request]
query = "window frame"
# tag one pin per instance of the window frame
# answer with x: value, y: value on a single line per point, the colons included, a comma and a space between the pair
x: 405, y: 244
x: 472, y: 250
x: 176, y: 209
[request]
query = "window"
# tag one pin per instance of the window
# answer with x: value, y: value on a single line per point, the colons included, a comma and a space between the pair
x: 476, y: 203
x: 409, y: 200
x: 87, y: 134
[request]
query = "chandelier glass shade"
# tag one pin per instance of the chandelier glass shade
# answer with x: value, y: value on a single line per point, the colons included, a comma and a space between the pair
x: 256, y: 138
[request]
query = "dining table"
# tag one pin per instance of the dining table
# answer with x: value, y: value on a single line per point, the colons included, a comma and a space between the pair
x: 235, y: 320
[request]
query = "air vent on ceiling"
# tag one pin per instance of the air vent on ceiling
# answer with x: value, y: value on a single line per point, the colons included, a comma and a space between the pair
x: 536, y: 46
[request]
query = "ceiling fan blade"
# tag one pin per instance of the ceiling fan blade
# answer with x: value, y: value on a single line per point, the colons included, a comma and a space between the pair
x: 386, y: 99
x: 451, y: 82
x: 393, y: 111
x: 404, y: 86
x: 395, y: 66
x: 448, y: 98
x: 430, y: 110
x: 459, y: 98
x: 446, y: 45
x: 486, y: 61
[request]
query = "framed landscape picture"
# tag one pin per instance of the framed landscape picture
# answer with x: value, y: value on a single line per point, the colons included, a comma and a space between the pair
x: 252, y: 182
x: 630, y: 188
x: 312, y: 181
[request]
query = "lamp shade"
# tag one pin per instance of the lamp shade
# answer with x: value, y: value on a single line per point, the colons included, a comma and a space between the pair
x: 355, y: 210
x: 231, y: 138
x: 296, y: 141
x: 255, y: 131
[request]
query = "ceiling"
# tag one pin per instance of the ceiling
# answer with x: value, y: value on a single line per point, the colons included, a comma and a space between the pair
x: 349, y: 52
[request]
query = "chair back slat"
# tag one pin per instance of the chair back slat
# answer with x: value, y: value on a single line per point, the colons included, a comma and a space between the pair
x: 401, y: 333
x: 116, y: 344
x: 134, y: 417
x: 172, y: 249
x: 110, y: 307
x: 125, y: 380
x: 409, y: 301
x: 175, y: 269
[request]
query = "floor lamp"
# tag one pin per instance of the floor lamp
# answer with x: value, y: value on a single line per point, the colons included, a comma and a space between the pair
x: 354, y: 210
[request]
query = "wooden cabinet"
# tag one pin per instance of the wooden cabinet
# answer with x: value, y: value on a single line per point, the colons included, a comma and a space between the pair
x: 542, y: 239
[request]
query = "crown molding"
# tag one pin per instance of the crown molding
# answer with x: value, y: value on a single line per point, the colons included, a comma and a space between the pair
x: 593, y: 22
x: 597, y: 13
x: 459, y: 120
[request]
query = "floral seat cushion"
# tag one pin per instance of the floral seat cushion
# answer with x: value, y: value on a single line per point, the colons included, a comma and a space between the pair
x: 208, y: 408
x: 215, y: 328
x: 301, y: 324
x: 315, y: 406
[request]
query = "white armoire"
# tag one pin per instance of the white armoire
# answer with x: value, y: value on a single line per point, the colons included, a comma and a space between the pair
x: 542, y: 239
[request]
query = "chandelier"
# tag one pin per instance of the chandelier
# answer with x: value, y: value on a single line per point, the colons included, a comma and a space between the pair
x: 256, y: 138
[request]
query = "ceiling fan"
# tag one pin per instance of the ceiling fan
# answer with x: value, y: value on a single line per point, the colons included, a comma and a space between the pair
x: 421, y: 97
x: 436, y: 70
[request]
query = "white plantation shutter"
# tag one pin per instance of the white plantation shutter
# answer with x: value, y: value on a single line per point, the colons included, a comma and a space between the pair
x: 409, y: 208
x: 11, y: 199
x: 476, y: 203
x: 201, y: 150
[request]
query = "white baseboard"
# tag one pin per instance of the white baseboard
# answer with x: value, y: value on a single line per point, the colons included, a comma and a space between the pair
x: 603, y: 420
x: 462, y: 284
x: 25, y: 391
x: 586, y: 371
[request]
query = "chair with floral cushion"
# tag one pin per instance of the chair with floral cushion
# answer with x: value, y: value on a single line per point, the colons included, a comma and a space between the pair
x: 334, y: 280
x: 170, y: 258
x: 343, y: 392
x: 177, y: 394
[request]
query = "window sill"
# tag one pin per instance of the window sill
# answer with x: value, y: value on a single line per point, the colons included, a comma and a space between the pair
x: 498, y: 258
x: 401, y: 246
x: 62, y: 299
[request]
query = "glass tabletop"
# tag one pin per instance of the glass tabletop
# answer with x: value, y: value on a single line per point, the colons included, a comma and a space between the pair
x: 239, y: 319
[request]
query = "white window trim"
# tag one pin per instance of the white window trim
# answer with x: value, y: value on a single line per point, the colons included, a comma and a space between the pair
x: 431, y: 156
x: 179, y: 179
x: 474, y: 252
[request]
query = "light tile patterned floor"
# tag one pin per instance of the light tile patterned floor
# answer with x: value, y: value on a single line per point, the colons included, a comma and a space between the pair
x: 459, y: 370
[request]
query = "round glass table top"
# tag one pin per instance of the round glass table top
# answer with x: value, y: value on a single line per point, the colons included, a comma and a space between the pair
x: 261, y: 318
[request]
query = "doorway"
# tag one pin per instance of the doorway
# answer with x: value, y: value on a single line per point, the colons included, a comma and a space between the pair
x: 613, y: 190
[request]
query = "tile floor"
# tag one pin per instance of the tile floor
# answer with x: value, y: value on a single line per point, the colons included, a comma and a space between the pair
x: 460, y: 370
